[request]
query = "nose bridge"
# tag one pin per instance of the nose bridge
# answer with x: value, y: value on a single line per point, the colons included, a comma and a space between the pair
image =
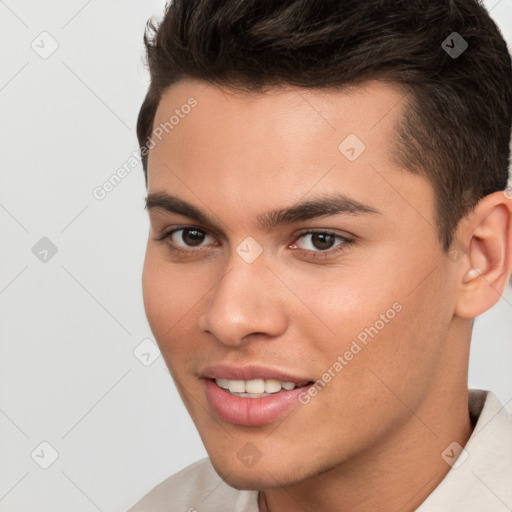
x: 243, y: 301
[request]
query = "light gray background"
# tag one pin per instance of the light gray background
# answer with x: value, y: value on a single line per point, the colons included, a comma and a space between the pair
x: 70, y: 325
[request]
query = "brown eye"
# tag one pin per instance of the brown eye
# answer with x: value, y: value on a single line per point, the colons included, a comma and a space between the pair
x: 192, y: 237
x: 318, y: 241
x: 183, y: 238
x: 322, y: 240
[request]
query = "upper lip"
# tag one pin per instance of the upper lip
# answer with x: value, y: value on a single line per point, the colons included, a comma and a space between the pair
x: 250, y: 372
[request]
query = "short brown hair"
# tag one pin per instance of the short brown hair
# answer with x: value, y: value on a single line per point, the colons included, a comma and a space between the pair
x: 457, y: 124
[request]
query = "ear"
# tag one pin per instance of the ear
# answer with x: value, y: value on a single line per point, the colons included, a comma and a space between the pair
x: 485, y: 270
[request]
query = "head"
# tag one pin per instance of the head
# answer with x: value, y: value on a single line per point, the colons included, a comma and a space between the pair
x: 353, y: 121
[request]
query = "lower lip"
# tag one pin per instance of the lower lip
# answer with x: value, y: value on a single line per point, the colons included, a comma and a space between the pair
x: 251, y: 411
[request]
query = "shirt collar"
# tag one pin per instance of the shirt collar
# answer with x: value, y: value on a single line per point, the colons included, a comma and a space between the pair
x: 481, y: 477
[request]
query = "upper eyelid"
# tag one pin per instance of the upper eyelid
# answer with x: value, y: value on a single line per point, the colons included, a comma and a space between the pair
x: 345, y: 240
x: 219, y: 233
x: 177, y: 227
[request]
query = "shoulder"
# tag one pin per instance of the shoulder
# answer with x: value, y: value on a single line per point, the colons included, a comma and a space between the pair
x: 482, y: 471
x: 196, y: 488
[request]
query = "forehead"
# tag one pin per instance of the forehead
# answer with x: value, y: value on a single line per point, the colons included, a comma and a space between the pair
x: 370, y: 110
x: 275, y: 147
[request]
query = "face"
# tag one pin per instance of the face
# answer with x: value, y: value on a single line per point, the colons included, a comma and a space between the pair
x: 286, y: 245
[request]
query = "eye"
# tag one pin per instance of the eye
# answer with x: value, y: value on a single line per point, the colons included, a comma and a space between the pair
x: 181, y: 238
x: 191, y: 240
x: 189, y: 236
x: 321, y: 243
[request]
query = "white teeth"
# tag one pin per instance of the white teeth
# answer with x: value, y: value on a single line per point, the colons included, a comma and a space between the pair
x: 222, y: 383
x: 272, y: 386
x: 236, y: 386
x: 255, y: 387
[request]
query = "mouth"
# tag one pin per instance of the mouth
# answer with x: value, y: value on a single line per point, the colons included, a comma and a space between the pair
x: 258, y: 388
x: 251, y: 396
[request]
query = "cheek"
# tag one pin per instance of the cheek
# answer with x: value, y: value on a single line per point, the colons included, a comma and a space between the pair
x: 169, y: 300
x: 158, y: 298
x: 378, y: 323
x: 336, y: 305
x: 403, y: 341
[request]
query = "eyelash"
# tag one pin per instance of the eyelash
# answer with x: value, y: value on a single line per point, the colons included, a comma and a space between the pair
x: 323, y: 254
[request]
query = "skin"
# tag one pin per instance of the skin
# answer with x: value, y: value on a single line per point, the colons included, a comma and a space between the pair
x: 372, y: 438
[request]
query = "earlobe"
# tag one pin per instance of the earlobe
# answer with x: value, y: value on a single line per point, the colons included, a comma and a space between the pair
x: 488, y: 261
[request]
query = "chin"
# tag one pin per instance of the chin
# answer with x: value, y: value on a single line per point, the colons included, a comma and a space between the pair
x: 261, y: 476
x: 250, y: 481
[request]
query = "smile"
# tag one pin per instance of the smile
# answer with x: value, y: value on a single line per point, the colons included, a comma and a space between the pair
x: 254, y: 402
x: 255, y: 388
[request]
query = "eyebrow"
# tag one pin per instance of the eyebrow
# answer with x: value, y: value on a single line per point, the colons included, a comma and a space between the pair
x: 332, y: 204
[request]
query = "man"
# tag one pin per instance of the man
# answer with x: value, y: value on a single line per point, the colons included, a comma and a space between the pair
x: 327, y: 192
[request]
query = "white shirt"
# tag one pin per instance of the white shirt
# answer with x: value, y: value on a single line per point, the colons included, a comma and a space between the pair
x: 479, y: 481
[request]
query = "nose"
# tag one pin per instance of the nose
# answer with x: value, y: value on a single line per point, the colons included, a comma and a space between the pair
x: 246, y: 301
